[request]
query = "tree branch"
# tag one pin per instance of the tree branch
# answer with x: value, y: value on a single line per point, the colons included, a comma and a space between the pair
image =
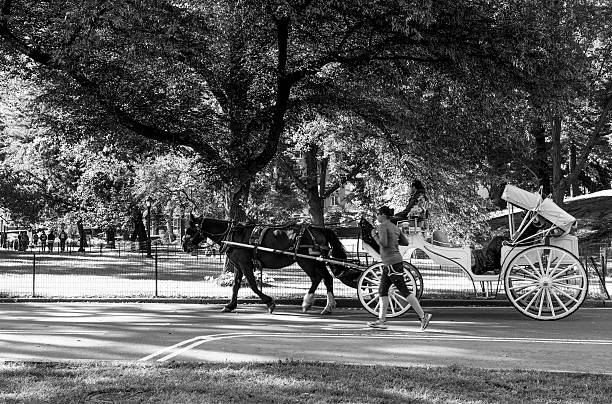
x: 597, y: 132
x: 92, y: 89
x: 337, y: 184
x: 289, y: 170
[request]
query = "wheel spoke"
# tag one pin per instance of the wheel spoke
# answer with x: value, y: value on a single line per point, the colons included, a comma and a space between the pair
x: 541, y: 267
x: 374, y: 301
x: 557, y: 265
x: 536, y: 270
x: 541, y: 303
x: 521, y: 287
x: 567, y: 286
x: 397, y: 303
x: 374, y: 292
x: 564, y: 270
x: 550, y: 304
x: 566, y: 295
x: 526, y: 295
x: 533, y: 300
x: 524, y: 272
x: 559, y: 300
x: 522, y: 278
x: 391, y: 306
x: 568, y: 278
x: 398, y: 296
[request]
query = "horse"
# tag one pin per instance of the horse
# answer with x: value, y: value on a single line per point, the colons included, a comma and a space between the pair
x: 315, y: 241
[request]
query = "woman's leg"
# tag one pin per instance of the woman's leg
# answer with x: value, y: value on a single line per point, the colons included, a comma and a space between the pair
x: 383, y: 293
x: 383, y: 296
x: 398, y: 280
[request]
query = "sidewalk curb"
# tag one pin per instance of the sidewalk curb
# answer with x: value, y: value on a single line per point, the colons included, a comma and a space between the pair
x: 342, y: 302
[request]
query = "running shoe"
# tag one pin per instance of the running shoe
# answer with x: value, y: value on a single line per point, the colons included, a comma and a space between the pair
x: 425, y: 321
x: 377, y: 324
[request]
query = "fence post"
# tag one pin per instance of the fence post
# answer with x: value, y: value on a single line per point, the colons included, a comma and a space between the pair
x: 34, y: 275
x: 156, y: 273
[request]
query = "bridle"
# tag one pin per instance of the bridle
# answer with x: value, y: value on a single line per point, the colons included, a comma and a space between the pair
x: 212, y: 236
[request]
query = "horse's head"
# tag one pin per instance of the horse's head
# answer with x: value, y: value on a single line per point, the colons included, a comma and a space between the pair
x: 193, y: 233
x: 201, y: 228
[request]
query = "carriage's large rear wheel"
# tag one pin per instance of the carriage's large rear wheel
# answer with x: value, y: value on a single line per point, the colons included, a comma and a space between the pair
x: 546, y: 282
x: 367, y: 289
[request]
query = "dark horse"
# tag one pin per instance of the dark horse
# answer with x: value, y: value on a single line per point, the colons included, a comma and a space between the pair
x: 314, y: 241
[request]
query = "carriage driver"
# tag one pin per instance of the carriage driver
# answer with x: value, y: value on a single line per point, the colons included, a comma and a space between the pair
x: 388, y: 236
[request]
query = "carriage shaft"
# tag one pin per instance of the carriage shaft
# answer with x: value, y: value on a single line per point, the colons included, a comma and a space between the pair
x: 294, y: 254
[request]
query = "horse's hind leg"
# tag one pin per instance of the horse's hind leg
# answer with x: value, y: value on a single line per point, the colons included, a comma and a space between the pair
x: 328, y: 280
x: 248, y: 272
x: 313, y: 273
x: 231, y: 306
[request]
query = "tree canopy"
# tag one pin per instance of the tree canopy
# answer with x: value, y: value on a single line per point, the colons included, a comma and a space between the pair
x: 447, y: 90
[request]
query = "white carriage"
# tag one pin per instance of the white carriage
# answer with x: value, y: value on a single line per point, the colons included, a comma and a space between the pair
x: 541, y: 273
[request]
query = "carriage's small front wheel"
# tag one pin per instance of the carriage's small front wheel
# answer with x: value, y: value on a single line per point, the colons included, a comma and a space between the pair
x: 367, y: 290
x: 546, y: 282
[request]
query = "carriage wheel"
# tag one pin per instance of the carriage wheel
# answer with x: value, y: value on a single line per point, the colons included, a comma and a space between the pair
x: 367, y: 289
x: 546, y: 282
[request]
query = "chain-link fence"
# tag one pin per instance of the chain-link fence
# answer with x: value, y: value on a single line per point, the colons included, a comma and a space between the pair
x: 128, y: 271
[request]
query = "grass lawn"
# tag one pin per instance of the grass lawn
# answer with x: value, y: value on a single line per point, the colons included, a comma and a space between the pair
x: 290, y: 382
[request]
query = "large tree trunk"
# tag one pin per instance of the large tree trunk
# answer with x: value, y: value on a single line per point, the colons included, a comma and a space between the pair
x: 82, y: 236
x: 140, y: 231
x: 559, y: 187
x: 541, y: 158
x: 111, y: 232
x: 574, y: 186
x: 170, y: 223
x: 236, y: 200
x: 316, y: 206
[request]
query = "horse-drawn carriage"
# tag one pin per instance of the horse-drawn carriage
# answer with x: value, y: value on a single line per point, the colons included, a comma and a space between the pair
x: 539, y: 268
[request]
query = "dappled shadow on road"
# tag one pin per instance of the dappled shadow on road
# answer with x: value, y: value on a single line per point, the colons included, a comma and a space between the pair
x: 102, y: 331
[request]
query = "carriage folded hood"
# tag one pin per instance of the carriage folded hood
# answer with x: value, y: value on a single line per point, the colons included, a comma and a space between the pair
x: 545, y: 208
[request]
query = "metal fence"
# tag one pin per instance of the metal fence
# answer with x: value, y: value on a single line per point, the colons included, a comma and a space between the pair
x: 128, y: 272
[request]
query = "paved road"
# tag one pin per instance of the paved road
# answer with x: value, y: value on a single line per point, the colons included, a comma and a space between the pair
x: 485, y: 337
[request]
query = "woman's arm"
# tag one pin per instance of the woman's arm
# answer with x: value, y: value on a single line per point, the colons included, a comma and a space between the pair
x: 383, y: 236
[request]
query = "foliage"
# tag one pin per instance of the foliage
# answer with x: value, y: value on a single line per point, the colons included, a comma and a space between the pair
x: 292, y: 381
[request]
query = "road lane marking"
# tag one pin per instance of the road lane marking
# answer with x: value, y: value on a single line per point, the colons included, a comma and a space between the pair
x: 184, y: 346
x: 34, y: 332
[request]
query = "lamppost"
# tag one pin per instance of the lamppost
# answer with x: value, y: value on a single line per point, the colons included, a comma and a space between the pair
x: 149, y: 201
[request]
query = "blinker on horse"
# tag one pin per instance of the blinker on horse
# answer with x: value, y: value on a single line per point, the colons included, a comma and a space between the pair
x: 309, y: 240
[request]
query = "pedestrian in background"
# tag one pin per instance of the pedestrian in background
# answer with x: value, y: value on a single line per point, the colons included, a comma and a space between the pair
x: 43, y: 240
x: 35, y: 238
x: 62, y: 240
x: 50, y: 240
x: 25, y: 241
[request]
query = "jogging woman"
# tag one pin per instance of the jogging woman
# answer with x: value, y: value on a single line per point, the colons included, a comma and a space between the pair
x: 388, y: 236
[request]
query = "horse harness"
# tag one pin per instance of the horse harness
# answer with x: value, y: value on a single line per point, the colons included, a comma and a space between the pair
x: 259, y: 231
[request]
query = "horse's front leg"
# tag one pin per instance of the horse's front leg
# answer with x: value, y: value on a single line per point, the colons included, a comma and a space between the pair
x: 231, y: 306
x: 308, y: 301
x: 328, y: 280
x: 248, y: 272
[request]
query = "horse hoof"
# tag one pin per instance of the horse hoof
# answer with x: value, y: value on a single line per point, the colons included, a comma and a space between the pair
x: 227, y: 310
x: 306, y: 308
x: 326, y: 311
x: 271, y: 307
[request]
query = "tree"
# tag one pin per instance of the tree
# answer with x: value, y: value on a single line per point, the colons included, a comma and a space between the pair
x: 220, y: 77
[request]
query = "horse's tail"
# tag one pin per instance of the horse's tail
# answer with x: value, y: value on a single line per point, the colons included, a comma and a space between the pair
x: 346, y: 275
